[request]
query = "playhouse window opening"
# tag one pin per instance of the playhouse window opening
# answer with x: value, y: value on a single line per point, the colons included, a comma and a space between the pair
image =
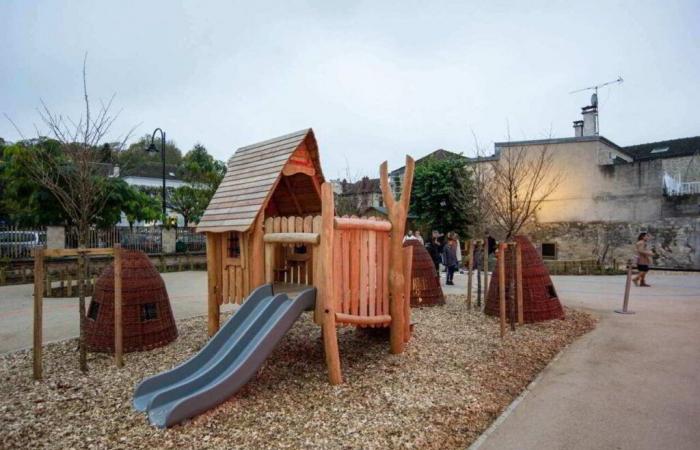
x: 551, y: 291
x: 234, y: 245
x: 549, y: 250
x: 93, y: 310
x: 149, y: 312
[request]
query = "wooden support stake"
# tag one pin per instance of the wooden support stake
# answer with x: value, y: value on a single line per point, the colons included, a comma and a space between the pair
x: 519, y: 282
x: 214, y: 286
x: 470, y: 250
x: 326, y: 287
x: 502, y: 286
x: 628, y: 283
x: 408, y: 283
x: 38, y: 309
x: 486, y: 267
x: 118, y: 324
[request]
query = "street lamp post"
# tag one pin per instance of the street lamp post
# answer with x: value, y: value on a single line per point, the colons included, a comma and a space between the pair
x: 152, y: 148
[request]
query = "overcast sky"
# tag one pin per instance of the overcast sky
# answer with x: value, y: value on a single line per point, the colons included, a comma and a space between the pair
x: 375, y: 79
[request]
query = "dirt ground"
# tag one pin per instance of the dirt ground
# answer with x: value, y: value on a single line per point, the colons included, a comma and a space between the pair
x: 456, y: 376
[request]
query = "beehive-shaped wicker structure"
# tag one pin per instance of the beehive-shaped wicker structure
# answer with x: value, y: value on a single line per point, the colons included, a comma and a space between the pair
x: 147, y: 318
x: 540, y: 300
x: 426, y: 289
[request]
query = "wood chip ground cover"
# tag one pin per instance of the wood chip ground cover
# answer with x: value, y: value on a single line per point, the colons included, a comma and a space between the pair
x: 455, y: 378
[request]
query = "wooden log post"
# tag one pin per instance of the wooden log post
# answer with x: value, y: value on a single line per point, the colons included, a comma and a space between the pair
x: 118, y: 323
x: 511, y: 285
x: 408, y: 285
x: 502, y: 286
x: 397, y: 211
x: 628, y: 283
x: 38, y: 310
x: 470, y: 267
x: 213, y: 276
x: 326, y: 285
x: 519, y: 282
x: 486, y: 267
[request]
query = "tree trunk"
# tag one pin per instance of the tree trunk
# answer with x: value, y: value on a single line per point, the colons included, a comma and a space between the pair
x: 82, y: 241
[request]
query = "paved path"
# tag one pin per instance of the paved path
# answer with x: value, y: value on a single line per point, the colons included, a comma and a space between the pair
x: 632, y: 383
x: 188, y: 298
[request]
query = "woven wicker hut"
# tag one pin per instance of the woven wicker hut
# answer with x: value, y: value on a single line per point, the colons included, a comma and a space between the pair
x: 540, y: 300
x: 148, y: 319
x: 426, y: 289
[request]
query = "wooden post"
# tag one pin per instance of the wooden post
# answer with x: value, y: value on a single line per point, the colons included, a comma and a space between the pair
x: 502, y: 286
x: 486, y: 268
x: 470, y: 270
x: 397, y: 211
x: 325, y: 285
x: 118, y: 325
x: 214, y: 287
x: 269, y: 262
x: 511, y: 286
x: 408, y: 277
x: 38, y: 309
x: 519, y: 282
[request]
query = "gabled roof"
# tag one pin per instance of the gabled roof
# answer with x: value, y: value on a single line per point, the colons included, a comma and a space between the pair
x: 665, y: 149
x: 439, y: 154
x: 252, y: 175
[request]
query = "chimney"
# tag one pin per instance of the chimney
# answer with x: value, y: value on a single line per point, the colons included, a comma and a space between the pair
x: 578, y: 128
x: 590, y: 120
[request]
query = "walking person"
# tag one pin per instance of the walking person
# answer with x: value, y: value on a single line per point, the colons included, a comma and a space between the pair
x: 449, y: 258
x: 434, y: 250
x: 643, y: 259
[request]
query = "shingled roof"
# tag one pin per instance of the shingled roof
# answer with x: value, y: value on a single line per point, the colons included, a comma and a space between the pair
x: 252, y: 176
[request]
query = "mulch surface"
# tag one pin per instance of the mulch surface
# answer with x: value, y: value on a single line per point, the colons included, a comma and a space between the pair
x: 454, y: 379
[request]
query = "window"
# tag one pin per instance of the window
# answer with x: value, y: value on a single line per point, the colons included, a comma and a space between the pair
x: 549, y: 250
x: 148, y: 312
x: 93, y: 310
x: 234, y: 245
x: 660, y: 150
x: 551, y: 291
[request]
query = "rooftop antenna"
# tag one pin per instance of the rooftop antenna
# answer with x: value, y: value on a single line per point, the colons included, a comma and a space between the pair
x: 594, y: 97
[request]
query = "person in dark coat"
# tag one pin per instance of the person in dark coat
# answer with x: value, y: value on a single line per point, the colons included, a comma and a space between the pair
x: 435, y: 251
x: 449, y: 258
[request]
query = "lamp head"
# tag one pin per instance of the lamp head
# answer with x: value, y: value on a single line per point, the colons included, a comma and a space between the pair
x: 152, y: 148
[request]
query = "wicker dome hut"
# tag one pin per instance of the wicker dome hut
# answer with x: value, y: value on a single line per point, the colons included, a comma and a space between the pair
x: 540, y: 300
x: 426, y: 290
x: 147, y: 317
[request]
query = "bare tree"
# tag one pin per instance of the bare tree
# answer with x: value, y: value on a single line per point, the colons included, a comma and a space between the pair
x: 521, y: 179
x: 76, y: 175
x: 481, y: 174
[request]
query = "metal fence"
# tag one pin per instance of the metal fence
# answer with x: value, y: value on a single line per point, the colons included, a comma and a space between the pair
x: 16, y: 242
x: 189, y: 240
x: 145, y: 239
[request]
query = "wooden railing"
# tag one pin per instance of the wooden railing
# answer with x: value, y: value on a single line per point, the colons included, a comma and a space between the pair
x: 361, y: 271
x: 291, y: 261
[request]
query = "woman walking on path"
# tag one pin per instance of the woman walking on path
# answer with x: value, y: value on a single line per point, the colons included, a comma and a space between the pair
x: 643, y: 259
x: 449, y: 258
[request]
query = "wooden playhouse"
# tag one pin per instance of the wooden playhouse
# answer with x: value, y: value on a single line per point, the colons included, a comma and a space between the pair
x: 272, y: 219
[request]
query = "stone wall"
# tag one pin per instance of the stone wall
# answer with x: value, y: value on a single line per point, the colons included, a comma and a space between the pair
x: 675, y: 242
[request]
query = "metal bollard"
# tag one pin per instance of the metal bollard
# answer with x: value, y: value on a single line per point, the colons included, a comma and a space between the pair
x: 628, y: 284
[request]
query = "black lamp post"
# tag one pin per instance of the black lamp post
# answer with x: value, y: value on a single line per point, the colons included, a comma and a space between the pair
x: 152, y: 148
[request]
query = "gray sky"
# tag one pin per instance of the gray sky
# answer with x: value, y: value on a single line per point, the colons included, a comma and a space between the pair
x: 375, y: 79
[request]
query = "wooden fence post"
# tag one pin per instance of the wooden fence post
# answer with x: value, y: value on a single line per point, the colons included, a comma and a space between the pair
x: 502, y: 286
x: 628, y: 282
x: 470, y: 268
x: 326, y: 285
x: 38, y: 309
x: 486, y: 267
x: 519, y: 282
x: 118, y: 325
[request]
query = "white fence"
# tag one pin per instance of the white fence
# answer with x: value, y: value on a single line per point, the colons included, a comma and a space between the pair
x: 675, y: 186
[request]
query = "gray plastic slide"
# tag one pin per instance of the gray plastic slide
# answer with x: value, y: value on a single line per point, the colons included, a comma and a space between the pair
x: 226, y: 362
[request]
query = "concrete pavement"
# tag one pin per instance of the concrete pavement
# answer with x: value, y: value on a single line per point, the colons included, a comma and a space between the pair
x: 632, y: 383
